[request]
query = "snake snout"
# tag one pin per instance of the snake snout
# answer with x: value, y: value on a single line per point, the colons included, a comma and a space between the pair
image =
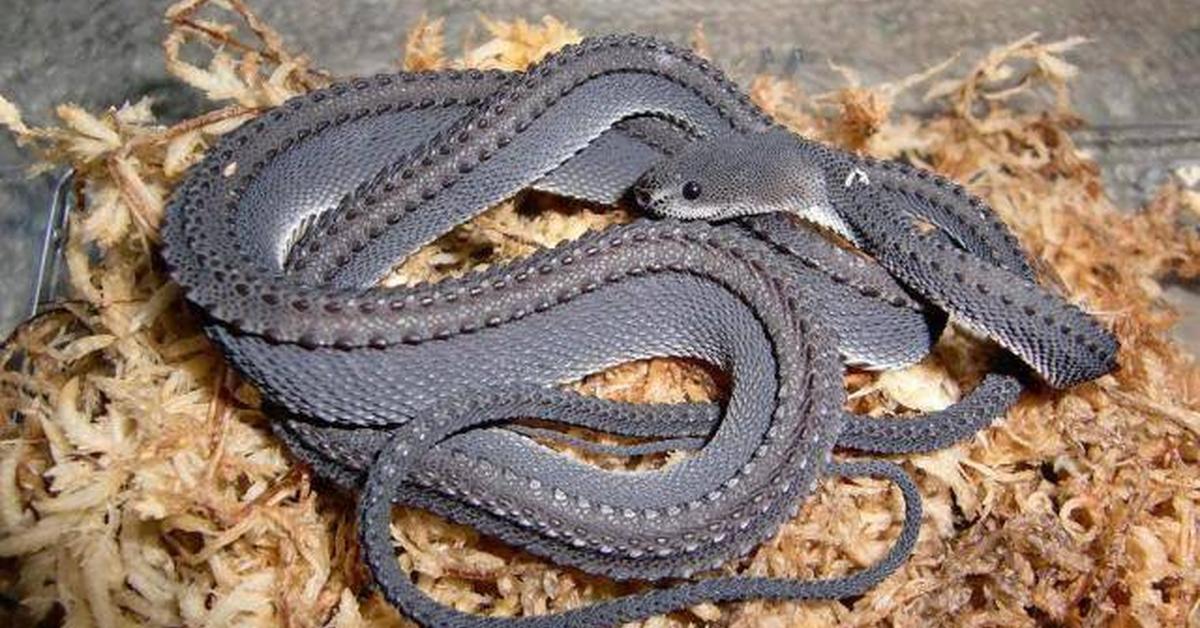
x: 643, y: 198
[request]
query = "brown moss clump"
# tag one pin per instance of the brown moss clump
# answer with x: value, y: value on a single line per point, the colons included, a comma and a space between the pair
x: 139, y: 482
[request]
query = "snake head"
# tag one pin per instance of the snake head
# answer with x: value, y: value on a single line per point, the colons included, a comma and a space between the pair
x: 737, y: 175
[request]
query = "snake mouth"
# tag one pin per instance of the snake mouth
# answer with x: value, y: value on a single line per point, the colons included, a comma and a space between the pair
x: 647, y: 200
x: 651, y: 192
x: 643, y: 198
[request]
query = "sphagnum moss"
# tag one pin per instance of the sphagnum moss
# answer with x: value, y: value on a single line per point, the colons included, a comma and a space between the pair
x: 132, y: 451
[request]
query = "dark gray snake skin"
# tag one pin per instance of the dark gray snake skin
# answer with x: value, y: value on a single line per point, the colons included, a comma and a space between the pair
x: 281, y: 235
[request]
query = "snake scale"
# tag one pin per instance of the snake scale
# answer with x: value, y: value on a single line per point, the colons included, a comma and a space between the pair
x: 410, y: 395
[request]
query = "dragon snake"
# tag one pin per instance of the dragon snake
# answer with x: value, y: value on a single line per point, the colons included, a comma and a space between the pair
x: 281, y: 235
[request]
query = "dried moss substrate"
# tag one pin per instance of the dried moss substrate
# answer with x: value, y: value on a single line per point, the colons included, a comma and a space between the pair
x: 141, y: 485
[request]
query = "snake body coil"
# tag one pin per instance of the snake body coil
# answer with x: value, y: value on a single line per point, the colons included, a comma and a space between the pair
x: 408, y: 394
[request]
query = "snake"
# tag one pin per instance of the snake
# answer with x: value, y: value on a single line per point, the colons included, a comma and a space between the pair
x: 775, y: 259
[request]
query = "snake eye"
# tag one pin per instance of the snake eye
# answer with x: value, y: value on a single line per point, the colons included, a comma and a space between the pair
x: 691, y: 190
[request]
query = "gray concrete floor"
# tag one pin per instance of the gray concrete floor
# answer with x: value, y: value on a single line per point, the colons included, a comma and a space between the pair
x: 1140, y: 85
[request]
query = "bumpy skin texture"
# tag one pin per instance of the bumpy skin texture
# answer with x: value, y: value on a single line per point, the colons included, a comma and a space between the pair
x: 408, y: 394
x: 967, y: 264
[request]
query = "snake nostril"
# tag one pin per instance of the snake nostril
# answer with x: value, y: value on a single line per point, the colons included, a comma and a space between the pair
x: 643, y: 198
